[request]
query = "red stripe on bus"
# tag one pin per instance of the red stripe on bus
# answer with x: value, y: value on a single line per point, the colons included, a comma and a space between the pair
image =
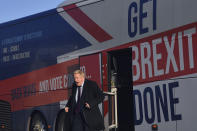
x: 89, y: 25
x: 161, y: 49
x: 38, y: 88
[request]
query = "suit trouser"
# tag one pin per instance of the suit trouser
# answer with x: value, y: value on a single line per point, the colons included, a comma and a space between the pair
x: 78, y: 123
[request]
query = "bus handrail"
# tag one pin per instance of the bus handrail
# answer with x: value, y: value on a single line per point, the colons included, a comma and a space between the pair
x: 114, y: 93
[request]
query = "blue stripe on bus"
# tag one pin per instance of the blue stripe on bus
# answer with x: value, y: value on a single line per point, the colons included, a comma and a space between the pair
x: 44, y: 36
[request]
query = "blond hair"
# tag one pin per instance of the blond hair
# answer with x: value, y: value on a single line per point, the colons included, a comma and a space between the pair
x: 79, y: 72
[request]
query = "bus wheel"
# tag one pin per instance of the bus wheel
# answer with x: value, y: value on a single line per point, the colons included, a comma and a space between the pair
x: 60, y: 122
x: 38, y: 123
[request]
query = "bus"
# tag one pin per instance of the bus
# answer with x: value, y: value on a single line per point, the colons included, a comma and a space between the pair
x: 142, y: 54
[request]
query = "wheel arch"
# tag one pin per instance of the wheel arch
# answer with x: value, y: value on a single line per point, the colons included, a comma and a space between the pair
x: 59, y: 114
x: 34, y: 112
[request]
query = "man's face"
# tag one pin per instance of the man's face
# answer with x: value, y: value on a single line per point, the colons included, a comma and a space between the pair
x: 79, y: 79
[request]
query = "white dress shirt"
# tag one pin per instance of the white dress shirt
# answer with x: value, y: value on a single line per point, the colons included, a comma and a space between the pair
x: 81, y: 89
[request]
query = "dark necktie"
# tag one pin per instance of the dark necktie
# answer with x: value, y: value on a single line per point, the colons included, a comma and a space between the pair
x: 77, y: 109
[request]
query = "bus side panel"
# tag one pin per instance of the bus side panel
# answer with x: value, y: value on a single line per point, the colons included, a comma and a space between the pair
x: 162, y: 64
x: 154, y: 105
x: 187, y: 103
x: 169, y: 103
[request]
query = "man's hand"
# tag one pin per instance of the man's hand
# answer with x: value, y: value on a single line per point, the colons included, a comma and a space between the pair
x: 66, y: 109
x: 87, y: 105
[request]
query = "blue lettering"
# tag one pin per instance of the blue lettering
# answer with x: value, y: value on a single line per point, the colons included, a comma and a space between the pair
x: 136, y: 15
x: 149, y: 91
x: 25, y: 91
x: 161, y: 101
x: 132, y: 33
x: 154, y: 14
x: 173, y: 101
x: 142, y: 16
x: 137, y: 93
x: 146, y: 111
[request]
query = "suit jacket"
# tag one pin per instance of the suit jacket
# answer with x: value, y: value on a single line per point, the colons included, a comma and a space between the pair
x: 93, y: 96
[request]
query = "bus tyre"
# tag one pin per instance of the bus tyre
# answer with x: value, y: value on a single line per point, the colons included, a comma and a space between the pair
x: 60, y: 122
x: 38, y: 123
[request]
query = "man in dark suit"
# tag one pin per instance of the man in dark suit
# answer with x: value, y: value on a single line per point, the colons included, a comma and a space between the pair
x: 83, y: 104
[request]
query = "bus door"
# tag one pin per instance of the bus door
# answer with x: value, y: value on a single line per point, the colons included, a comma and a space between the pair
x: 91, y: 65
x: 120, y: 84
